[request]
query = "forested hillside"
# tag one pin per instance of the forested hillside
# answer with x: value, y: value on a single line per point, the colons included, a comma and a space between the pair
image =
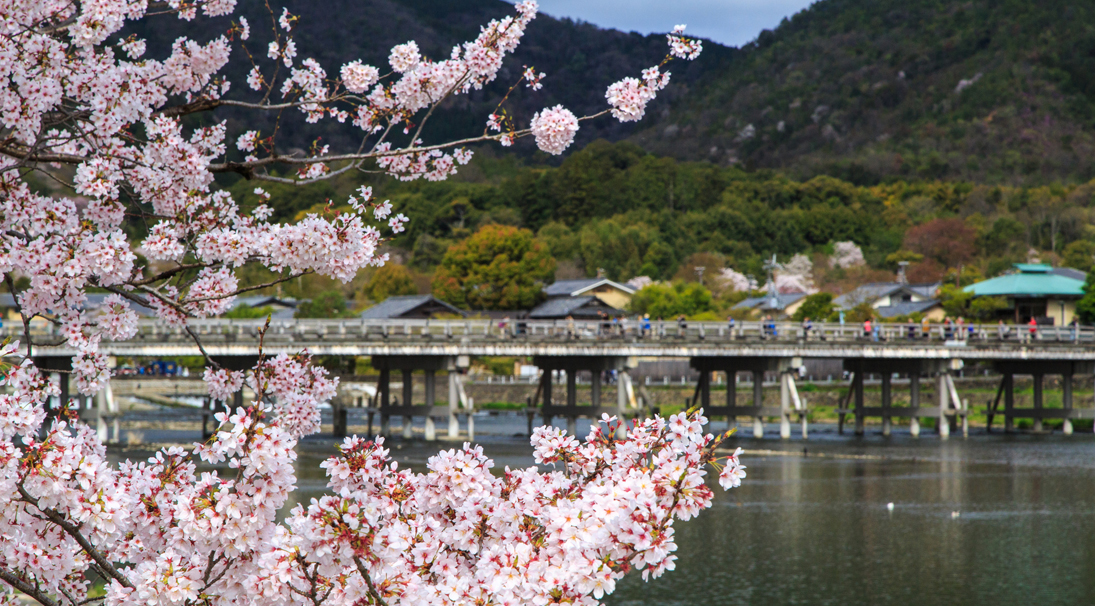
x: 615, y: 207
x: 954, y: 135
x: 580, y: 61
x: 994, y: 91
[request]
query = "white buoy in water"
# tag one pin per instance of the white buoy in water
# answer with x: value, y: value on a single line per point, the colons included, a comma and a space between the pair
x: 889, y: 506
x: 955, y: 514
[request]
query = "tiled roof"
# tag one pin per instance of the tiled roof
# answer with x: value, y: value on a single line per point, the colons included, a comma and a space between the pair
x: 567, y: 288
x: 906, y: 308
x: 873, y: 291
x: 572, y: 306
x: 782, y: 301
x: 1030, y: 281
x: 395, y: 307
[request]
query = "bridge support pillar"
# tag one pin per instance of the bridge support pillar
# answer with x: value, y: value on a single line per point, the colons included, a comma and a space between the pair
x: 758, y: 403
x: 571, y: 365
x: 1039, y: 382
x: 914, y: 402
x: 731, y: 395
x: 431, y: 399
x: 454, y: 404
x: 786, y: 384
x: 57, y: 369
x: 887, y: 422
x: 789, y: 403
x: 943, y: 394
x: 384, y: 390
x: 623, y: 382
x: 408, y: 395
x: 1066, y: 402
x: 572, y: 399
x: 1038, y: 369
x: 428, y: 410
x: 858, y: 389
x: 853, y: 402
x: 1009, y: 402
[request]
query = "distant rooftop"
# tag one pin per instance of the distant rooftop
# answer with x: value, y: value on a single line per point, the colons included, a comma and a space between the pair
x: 873, y: 291
x: 410, y: 306
x: 782, y: 301
x: 1032, y: 280
x: 906, y: 308
x: 574, y: 288
x: 580, y: 308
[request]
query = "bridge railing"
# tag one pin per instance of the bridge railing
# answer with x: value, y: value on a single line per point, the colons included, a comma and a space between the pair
x: 353, y: 330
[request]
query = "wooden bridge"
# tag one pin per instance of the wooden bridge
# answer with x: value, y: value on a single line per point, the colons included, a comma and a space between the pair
x: 565, y: 348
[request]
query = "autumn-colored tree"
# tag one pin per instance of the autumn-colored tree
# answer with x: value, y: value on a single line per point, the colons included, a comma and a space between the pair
x: 500, y: 267
x: 389, y: 280
x: 948, y: 241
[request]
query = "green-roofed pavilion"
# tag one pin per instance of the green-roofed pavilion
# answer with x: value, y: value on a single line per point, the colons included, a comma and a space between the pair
x: 1043, y: 292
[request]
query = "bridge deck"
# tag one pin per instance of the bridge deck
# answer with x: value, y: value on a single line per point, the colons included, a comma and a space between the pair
x: 563, y: 338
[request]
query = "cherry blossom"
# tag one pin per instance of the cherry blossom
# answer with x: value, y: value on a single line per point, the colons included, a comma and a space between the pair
x: 554, y: 129
x: 846, y: 255
x: 115, y: 124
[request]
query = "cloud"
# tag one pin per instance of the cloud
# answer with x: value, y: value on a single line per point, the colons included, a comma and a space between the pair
x: 731, y: 22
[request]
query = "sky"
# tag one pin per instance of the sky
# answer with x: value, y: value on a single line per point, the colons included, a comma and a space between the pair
x: 731, y: 22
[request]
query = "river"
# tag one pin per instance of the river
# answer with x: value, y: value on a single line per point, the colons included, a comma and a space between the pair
x: 990, y: 519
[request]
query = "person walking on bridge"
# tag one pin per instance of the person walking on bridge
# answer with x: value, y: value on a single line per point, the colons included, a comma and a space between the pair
x: 925, y: 328
x: 867, y: 329
x: 1002, y: 330
x: 1032, y: 328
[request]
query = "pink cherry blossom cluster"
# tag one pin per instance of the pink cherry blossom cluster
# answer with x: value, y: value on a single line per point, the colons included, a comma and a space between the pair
x: 110, y: 123
x: 554, y: 129
x: 159, y: 532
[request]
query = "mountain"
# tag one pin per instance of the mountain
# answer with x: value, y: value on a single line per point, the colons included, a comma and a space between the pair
x: 994, y: 91
x: 580, y: 60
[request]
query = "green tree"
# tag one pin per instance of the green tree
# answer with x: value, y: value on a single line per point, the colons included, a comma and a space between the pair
x: 1080, y: 255
x: 560, y: 240
x: 390, y: 280
x: 669, y: 300
x: 816, y: 307
x: 246, y: 312
x: 986, y: 309
x: 955, y: 301
x: 500, y: 267
x: 1085, y: 307
x: 329, y: 304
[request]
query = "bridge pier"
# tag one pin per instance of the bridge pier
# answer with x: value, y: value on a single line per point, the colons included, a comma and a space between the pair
x: 1038, y: 369
x: 790, y: 402
x: 571, y: 365
x: 949, y: 407
x: 429, y: 409
x: 58, y: 368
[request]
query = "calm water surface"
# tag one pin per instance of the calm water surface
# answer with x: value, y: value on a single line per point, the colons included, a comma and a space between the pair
x: 985, y: 520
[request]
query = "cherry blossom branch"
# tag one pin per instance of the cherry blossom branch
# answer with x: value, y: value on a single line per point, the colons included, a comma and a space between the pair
x: 73, y: 531
x: 30, y: 590
x: 369, y: 582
